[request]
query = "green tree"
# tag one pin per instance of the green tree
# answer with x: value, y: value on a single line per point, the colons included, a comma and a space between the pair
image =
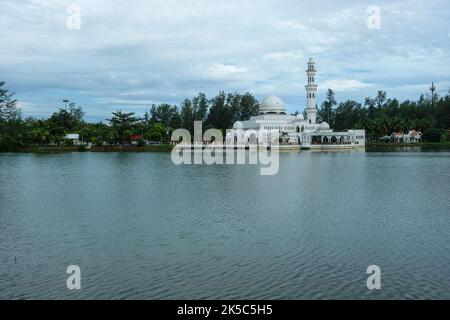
x: 380, y: 99
x: 326, y: 111
x: 12, y: 128
x: 187, y: 115
x: 76, y: 112
x: 40, y: 136
x: 249, y: 107
x: 61, y: 123
x: 433, y: 135
x: 349, y: 114
x: 156, y: 133
x: 8, y: 106
x: 100, y: 133
x: 123, y: 123
x: 218, y: 116
x: 165, y: 114
x: 233, y: 108
x: 201, y: 105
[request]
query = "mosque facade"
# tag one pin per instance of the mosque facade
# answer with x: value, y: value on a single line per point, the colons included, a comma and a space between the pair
x: 296, y: 131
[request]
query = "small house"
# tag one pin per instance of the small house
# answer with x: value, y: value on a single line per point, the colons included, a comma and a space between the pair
x: 74, y: 137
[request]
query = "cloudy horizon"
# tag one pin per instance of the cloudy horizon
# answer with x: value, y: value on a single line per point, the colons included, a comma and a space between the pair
x: 150, y: 52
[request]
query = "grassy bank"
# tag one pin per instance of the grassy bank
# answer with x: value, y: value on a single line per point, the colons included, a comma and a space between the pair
x: 46, y: 149
x: 157, y: 148
x: 381, y: 146
x: 49, y: 149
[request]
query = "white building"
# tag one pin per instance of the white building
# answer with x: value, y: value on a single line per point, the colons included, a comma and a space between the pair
x: 412, y: 136
x: 74, y: 137
x: 296, y: 130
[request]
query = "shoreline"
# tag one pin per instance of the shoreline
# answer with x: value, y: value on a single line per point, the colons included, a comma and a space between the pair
x: 95, y: 149
x: 381, y: 146
x: 168, y: 148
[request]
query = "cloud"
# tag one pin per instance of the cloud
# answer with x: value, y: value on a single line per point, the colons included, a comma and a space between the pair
x: 344, y: 85
x: 166, y: 50
x: 287, y: 55
x: 222, y: 72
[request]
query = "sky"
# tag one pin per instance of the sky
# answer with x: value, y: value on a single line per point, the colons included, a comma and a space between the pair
x: 128, y: 55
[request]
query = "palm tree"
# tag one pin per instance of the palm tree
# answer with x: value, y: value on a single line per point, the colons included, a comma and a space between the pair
x: 283, y: 137
x: 123, y: 123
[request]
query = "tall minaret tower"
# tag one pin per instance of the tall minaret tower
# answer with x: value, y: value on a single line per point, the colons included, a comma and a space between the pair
x: 311, y: 92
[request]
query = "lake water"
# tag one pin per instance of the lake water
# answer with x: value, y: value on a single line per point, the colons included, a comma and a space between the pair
x: 140, y: 227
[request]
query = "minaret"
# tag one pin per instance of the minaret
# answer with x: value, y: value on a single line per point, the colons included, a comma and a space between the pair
x: 311, y: 92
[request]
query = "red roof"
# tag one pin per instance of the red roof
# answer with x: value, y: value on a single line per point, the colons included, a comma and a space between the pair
x: 136, y: 137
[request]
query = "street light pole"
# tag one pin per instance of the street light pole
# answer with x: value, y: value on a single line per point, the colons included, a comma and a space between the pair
x: 432, y: 89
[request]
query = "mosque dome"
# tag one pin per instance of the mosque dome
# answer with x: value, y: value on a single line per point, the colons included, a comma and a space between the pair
x: 238, y: 125
x: 324, y: 126
x: 272, y: 105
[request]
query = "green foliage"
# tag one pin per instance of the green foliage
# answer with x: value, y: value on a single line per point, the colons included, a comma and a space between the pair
x: 187, y: 115
x: 65, y: 121
x: 157, y: 133
x: 434, y: 135
x: 68, y: 143
x: 12, y: 133
x: 326, y: 111
x: 81, y: 148
x: 98, y: 133
x: 165, y: 114
x: 379, y: 116
x: 226, y: 109
x: 349, y: 115
x: 123, y: 123
x: 200, y: 107
x: 219, y: 116
x: 382, y: 116
x: 249, y: 107
x: 8, y: 106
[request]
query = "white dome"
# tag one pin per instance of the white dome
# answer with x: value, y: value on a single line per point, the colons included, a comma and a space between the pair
x: 238, y: 125
x: 272, y: 104
x: 324, y: 126
x: 300, y: 116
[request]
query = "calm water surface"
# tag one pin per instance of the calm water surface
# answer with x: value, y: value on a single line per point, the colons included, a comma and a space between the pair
x: 141, y: 227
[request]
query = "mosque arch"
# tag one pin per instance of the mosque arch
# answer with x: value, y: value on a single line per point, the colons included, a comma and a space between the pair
x: 252, y: 139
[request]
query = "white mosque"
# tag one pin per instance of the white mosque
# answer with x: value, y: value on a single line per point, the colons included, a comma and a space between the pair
x: 297, y: 131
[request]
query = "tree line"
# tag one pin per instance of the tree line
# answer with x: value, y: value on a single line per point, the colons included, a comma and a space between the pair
x: 155, y: 125
x: 379, y: 116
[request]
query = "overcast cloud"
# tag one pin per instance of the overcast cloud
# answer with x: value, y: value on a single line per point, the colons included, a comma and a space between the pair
x: 130, y: 54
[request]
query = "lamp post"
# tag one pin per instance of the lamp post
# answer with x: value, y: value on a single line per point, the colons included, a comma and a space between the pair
x: 432, y: 89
